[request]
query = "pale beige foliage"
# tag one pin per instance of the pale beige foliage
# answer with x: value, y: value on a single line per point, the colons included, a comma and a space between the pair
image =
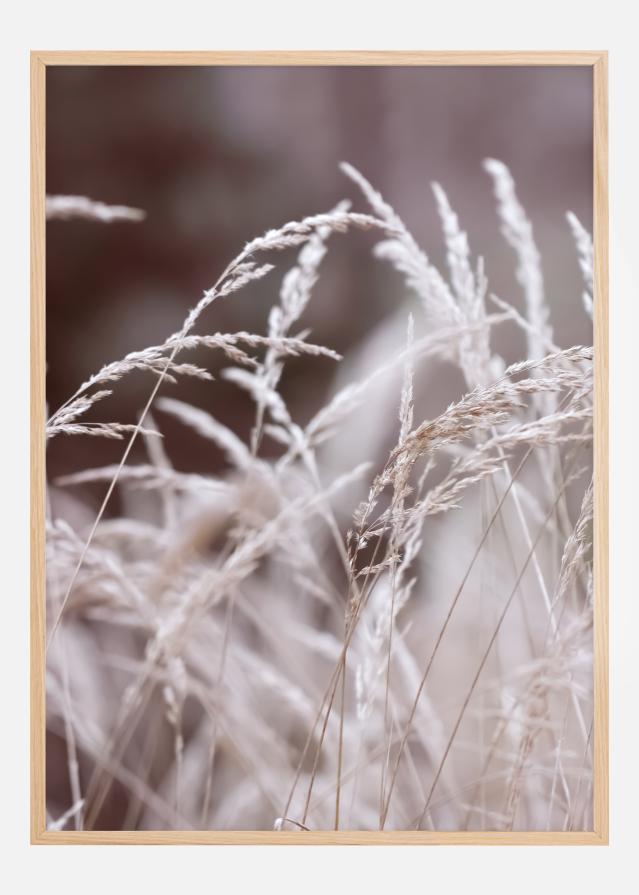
x: 402, y: 642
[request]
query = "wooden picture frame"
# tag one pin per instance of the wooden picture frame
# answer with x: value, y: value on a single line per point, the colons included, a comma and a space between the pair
x: 597, y: 61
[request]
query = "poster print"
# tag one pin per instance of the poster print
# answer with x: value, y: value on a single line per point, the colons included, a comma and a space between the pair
x: 319, y: 449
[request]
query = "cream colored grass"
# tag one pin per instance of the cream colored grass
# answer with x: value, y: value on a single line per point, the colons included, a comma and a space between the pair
x: 303, y: 641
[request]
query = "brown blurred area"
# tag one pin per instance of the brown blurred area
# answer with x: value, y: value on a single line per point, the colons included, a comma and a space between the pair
x: 216, y: 156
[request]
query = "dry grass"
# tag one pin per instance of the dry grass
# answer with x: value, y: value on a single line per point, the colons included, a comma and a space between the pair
x: 383, y: 624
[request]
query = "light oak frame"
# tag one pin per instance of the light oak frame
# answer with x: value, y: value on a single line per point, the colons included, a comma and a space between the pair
x: 598, y: 62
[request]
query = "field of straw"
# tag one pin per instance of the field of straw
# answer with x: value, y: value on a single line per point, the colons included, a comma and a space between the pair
x: 373, y: 618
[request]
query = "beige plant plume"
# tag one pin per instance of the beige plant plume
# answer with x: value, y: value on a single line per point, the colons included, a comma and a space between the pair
x: 403, y: 643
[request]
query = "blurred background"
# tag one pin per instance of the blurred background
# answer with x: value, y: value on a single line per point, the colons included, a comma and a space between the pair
x: 216, y: 156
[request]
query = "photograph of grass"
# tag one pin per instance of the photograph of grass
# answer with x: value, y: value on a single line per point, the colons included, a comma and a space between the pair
x: 319, y: 448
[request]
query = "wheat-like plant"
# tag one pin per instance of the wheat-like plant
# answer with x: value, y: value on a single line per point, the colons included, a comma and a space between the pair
x: 381, y: 622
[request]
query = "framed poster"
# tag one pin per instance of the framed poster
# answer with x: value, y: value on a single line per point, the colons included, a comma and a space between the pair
x: 319, y: 448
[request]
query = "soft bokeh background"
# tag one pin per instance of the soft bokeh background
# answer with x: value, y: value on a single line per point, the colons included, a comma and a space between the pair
x: 218, y: 155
